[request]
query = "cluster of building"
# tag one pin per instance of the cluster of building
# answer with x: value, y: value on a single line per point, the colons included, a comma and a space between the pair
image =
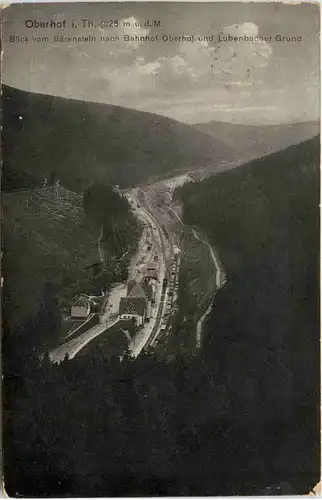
x: 137, y: 304
x: 140, y: 296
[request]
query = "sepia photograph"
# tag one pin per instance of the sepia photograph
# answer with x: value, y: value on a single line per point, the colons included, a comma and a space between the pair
x: 160, y: 251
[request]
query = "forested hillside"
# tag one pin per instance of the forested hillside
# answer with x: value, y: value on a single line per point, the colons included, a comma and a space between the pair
x: 76, y: 142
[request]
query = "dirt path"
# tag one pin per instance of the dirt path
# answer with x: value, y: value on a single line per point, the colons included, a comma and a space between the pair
x: 100, y: 251
x: 218, y: 273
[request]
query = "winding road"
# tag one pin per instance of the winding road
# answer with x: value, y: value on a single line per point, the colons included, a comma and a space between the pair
x: 109, y: 318
x: 220, y: 277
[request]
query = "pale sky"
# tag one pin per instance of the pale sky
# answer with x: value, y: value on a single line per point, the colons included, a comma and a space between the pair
x: 243, y: 82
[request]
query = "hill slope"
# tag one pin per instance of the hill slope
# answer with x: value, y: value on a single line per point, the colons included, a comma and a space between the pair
x: 263, y: 332
x: 243, y: 210
x: 75, y: 141
x: 49, y: 240
x: 251, y: 141
x: 240, y: 420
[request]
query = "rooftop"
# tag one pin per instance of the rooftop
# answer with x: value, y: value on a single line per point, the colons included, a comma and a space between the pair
x: 80, y: 300
x: 139, y: 289
x: 132, y: 305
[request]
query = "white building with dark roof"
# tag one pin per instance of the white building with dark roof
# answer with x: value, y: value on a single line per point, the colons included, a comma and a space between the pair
x: 135, y: 305
x: 80, y: 307
x: 151, y: 270
x: 133, y: 308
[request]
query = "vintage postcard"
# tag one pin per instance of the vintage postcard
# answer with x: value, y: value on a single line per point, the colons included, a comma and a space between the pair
x: 160, y: 249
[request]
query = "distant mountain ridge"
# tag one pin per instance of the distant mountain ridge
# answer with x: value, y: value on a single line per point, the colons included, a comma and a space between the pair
x: 77, y: 141
x: 251, y: 141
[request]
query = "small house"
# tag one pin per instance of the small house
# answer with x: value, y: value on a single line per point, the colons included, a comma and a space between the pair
x: 80, y: 307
